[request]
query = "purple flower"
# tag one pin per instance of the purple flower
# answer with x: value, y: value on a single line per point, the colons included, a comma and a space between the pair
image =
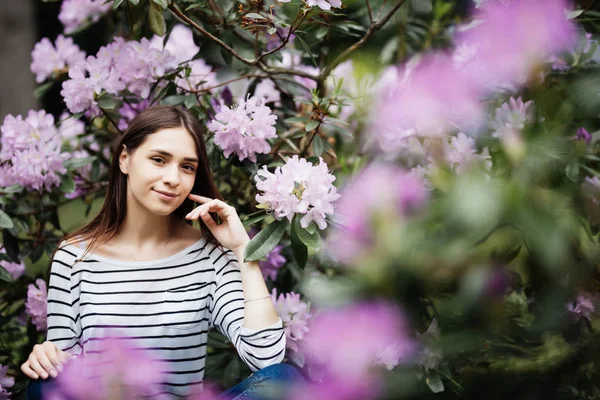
x: 37, y: 303
x: 275, y: 260
x: 427, y: 97
x: 345, y: 343
x: 70, y: 127
x: 129, y: 111
x: 180, y: 44
x: 75, y: 13
x: 5, y: 381
x: 273, y: 40
x: 512, y: 117
x: 244, y: 129
x: 511, y: 38
x: 16, y: 270
x: 298, y: 187
x: 295, y: 316
x: 120, y: 370
x: 584, y: 136
x: 378, y: 190
x: 266, y: 89
x: 48, y: 60
x: 30, y: 152
x: 582, y: 307
x: 77, y: 91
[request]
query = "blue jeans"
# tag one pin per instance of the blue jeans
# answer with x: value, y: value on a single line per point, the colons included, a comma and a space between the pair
x: 270, y: 383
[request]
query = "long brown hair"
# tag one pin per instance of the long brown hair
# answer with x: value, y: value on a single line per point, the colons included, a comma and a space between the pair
x: 112, y: 214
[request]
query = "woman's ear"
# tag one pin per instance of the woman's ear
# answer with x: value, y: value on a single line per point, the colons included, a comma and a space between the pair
x: 124, y: 160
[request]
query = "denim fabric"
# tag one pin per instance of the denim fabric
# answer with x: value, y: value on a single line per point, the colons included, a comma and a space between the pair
x: 270, y: 383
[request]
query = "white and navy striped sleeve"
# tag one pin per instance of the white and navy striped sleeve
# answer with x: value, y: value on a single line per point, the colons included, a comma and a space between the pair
x: 257, y: 348
x: 64, y: 324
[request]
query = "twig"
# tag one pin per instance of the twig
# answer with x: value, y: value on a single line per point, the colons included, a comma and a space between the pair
x: 111, y: 121
x: 374, y: 27
x: 262, y: 76
x: 370, y: 11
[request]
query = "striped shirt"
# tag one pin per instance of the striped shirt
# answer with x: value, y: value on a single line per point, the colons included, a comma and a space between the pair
x: 166, y: 306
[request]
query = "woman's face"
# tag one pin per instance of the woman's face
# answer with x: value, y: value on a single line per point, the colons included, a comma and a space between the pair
x: 161, y: 171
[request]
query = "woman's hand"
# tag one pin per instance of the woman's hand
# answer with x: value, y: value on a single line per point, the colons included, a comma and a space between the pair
x: 45, y: 360
x: 231, y: 232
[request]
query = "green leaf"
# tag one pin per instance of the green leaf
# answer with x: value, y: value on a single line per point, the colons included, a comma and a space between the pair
x: 299, y: 249
x: 16, y: 188
x: 5, y: 275
x: 76, y: 163
x: 156, y: 19
x: 272, y: 30
x: 573, y: 171
x: 296, y: 119
x: 307, y: 49
x: 255, y: 217
x: 67, y: 184
x: 311, y: 239
x: 162, y: 3
x: 134, y: 2
x: 42, y: 89
x: 317, y: 146
x: 5, y: 221
x: 255, y: 16
x: 190, y: 100
x: 311, y: 125
x: 265, y: 241
x: 117, y: 4
x: 107, y: 102
x: 174, y: 100
x: 11, y: 245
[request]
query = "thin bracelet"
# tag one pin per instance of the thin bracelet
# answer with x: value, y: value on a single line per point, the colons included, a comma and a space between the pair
x: 258, y: 298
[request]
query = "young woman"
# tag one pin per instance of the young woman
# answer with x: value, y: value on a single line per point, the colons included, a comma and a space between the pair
x: 141, y: 270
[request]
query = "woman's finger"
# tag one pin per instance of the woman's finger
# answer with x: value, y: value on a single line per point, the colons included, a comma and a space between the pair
x: 52, y: 354
x: 28, y: 371
x: 208, y: 219
x: 42, y: 358
x: 37, y: 367
x: 198, y: 198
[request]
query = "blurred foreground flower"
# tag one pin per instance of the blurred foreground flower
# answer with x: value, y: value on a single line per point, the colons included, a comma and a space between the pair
x: 582, y: 307
x: 75, y: 13
x: 120, y: 372
x: 273, y: 262
x: 298, y: 187
x: 5, y: 382
x: 382, y: 191
x: 37, y: 303
x: 14, y: 269
x: 510, y: 39
x: 244, y: 129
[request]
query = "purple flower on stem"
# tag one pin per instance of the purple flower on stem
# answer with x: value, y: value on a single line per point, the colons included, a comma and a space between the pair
x: 584, y: 136
x: 244, y: 129
x: 5, y: 381
x: 298, y: 187
x: 37, y: 303
x: 180, y: 44
x: 370, y: 191
x: 129, y: 111
x: 75, y: 13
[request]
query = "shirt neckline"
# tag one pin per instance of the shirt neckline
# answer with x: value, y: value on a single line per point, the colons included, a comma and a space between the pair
x: 93, y: 256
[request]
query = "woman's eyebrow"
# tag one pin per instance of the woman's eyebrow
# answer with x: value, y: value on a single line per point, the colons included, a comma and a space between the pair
x: 167, y: 154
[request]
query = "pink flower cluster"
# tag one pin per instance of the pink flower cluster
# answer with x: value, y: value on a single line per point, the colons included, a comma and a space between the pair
x: 122, y: 371
x: 295, y: 316
x: 120, y: 65
x: 76, y: 13
x: 30, y: 152
x: 244, y: 129
x: 511, y: 117
x: 37, y: 303
x: 298, y: 187
x: 51, y: 60
x: 406, y: 193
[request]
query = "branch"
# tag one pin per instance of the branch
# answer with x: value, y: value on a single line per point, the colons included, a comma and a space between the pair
x: 374, y: 27
x: 370, y: 11
x: 255, y: 63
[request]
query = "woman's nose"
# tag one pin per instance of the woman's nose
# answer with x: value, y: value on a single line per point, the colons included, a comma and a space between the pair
x: 171, y: 176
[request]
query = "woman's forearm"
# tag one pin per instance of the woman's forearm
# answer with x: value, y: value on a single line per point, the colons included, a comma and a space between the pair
x: 259, y: 312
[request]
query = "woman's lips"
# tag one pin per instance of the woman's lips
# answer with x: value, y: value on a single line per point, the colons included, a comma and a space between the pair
x: 166, y: 195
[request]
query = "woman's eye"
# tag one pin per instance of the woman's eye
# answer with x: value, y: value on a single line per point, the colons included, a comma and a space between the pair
x: 157, y: 159
x: 190, y: 168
